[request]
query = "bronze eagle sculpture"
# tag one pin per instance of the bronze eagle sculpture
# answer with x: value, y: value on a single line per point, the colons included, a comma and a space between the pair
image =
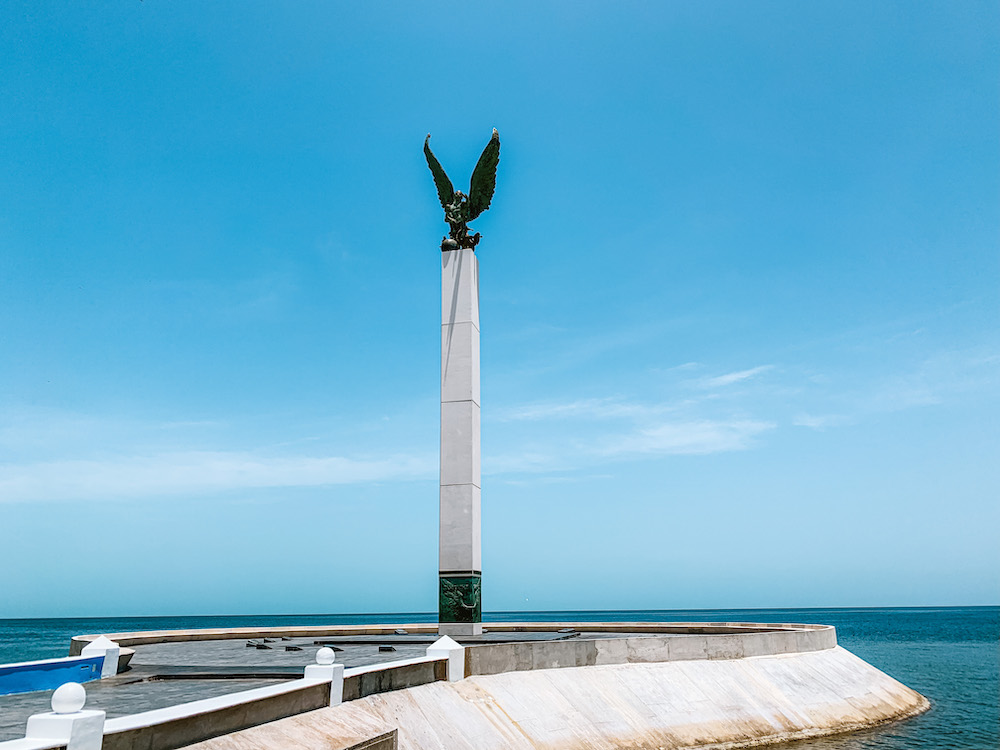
x: 460, y: 209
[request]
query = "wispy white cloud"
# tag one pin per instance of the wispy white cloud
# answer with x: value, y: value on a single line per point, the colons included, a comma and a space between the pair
x: 193, y: 472
x: 560, y: 479
x: 720, y: 381
x: 51, y: 455
x: 820, y: 421
x: 532, y: 460
x: 947, y: 376
x: 686, y: 438
x: 567, y: 455
x: 615, y: 429
x: 593, y: 408
x: 939, y: 378
x: 191, y: 423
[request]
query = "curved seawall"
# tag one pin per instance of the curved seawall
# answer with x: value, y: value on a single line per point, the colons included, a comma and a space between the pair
x: 713, y: 703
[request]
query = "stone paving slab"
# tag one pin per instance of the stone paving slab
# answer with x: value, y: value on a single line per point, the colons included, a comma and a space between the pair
x: 235, y: 653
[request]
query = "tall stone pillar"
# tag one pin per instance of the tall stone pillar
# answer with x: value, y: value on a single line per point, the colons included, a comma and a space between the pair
x: 460, y: 558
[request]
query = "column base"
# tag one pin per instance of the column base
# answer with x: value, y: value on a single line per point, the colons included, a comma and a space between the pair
x: 460, y: 628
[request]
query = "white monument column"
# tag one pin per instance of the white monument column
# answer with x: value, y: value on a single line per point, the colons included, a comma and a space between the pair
x: 460, y: 559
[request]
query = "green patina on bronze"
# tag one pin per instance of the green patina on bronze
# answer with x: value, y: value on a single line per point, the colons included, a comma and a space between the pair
x: 460, y: 599
x: 459, y: 208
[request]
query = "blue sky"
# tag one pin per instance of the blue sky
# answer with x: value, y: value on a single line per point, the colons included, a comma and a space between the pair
x: 739, y: 292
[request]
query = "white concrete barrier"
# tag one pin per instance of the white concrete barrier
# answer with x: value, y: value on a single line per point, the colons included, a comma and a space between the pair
x: 324, y: 670
x: 68, y: 724
x: 107, y: 648
x: 445, y: 648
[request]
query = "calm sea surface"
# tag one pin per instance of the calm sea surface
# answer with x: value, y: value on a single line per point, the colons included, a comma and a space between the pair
x: 951, y: 655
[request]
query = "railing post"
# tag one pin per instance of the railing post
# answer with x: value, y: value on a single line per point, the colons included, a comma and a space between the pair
x: 325, y: 670
x: 445, y: 648
x: 109, y: 649
x: 68, y: 722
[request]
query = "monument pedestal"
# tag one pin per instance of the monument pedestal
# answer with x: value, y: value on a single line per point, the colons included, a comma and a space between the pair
x: 460, y: 557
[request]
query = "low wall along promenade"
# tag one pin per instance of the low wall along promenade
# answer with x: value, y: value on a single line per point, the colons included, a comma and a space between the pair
x: 593, y: 685
x: 48, y: 674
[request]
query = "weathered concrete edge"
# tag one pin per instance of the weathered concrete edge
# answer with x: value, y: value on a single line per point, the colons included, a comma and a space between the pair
x: 486, y: 659
x: 809, y: 734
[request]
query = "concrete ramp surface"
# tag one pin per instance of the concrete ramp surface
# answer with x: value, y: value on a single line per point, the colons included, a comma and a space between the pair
x: 682, y: 704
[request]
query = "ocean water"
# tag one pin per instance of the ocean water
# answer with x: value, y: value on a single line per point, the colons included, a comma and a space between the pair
x: 949, y: 654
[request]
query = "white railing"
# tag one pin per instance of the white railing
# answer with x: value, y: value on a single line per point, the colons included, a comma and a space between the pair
x: 69, y: 725
x: 97, y: 660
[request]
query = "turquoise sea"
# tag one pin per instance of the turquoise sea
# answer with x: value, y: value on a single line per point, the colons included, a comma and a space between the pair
x: 949, y: 654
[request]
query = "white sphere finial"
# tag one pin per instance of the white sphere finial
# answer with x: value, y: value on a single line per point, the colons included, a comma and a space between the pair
x: 68, y: 698
x: 325, y: 656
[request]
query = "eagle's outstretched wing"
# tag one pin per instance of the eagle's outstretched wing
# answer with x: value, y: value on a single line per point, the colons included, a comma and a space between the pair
x: 446, y: 192
x: 484, y: 177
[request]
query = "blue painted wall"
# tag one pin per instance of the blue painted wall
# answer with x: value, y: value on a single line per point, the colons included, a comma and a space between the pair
x: 48, y: 675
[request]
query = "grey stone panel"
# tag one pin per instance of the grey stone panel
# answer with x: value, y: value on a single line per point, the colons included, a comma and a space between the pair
x: 394, y: 678
x: 687, y: 647
x: 611, y: 650
x: 648, y: 650
x: 760, y: 644
x: 460, y: 363
x: 821, y: 638
x: 521, y: 657
x: 784, y: 643
x: 724, y: 647
x: 460, y: 443
x: 559, y: 654
x: 459, y: 534
x: 491, y: 659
